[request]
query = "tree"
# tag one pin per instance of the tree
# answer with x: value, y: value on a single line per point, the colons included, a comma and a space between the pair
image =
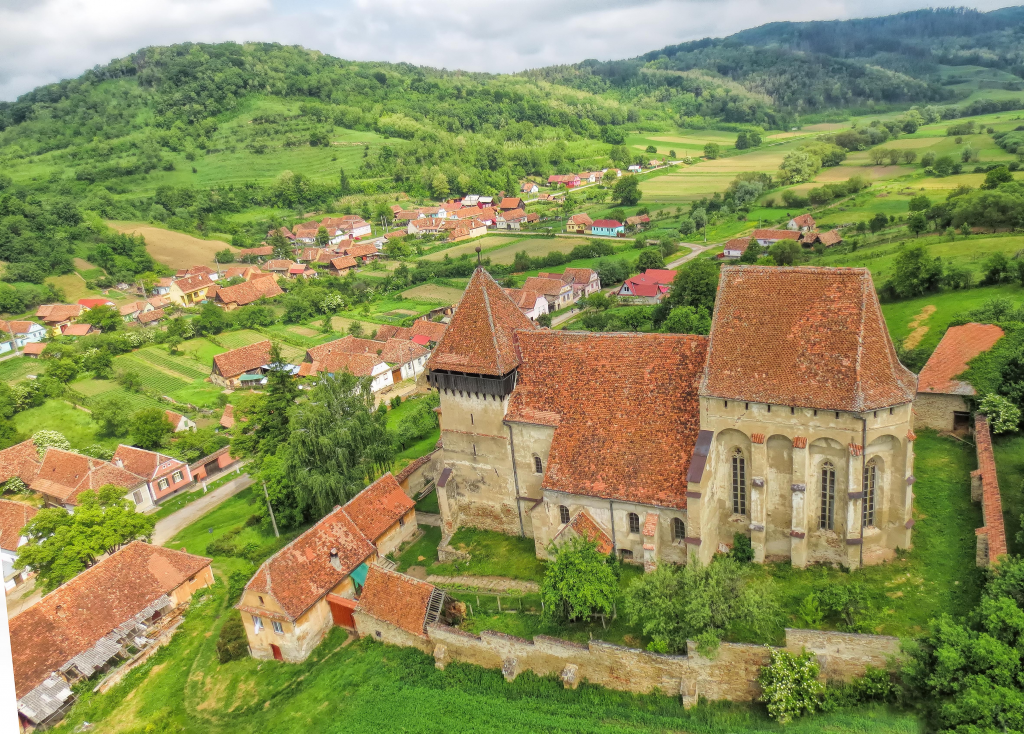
x: 695, y: 284
x: 790, y: 685
x: 355, y: 329
x: 712, y: 151
x: 799, y: 167
x: 224, y: 256
x: 671, y: 154
x: 61, y: 544
x: 579, y: 582
x: 687, y: 226
x: 148, y: 428
x: 627, y: 191
x: 998, y: 175
x: 266, y: 415
x: 439, y: 186
x: 344, y: 187
x: 688, y: 320
x: 997, y: 267
x: 113, y: 414
x: 699, y: 602
x: 651, y: 259
x: 650, y: 149
x: 753, y: 251
x: 322, y: 238
x: 944, y: 165
x: 920, y: 203
x: 337, y: 444
x: 784, y: 252
x: 211, y: 319
x: 917, y: 224
x: 544, y: 320
x: 1004, y: 416
x: 742, y: 141
x: 100, y: 363
x: 878, y: 223
x: 63, y: 370
x: 908, y: 156
x: 700, y: 218
x: 104, y: 318
x: 282, y: 250
x: 915, y: 272
x: 878, y: 155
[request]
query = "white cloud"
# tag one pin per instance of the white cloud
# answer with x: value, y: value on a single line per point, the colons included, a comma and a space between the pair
x: 42, y: 41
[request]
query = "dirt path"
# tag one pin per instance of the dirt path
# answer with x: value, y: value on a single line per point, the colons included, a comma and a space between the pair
x: 428, y: 518
x: 917, y: 331
x: 485, y: 583
x: 173, y: 524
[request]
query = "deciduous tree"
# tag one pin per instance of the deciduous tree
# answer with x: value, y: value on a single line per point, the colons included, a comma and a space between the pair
x: 579, y: 582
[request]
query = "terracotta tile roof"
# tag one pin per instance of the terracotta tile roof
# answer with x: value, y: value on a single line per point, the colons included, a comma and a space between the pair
x: 343, y: 263
x: 94, y: 302
x: 194, y: 283
x: 401, y: 351
x: 830, y: 238
x: 639, y: 219
x: 739, y: 244
x: 651, y: 283
x: 775, y: 234
x: 159, y: 301
x: 250, y: 291
x: 79, y: 329
x: 991, y: 501
x: 360, y: 365
x: 21, y: 460
x: 581, y: 219
x: 959, y: 345
x: 804, y: 220
x: 585, y: 526
x: 55, y: 313
x: 607, y: 223
x: 513, y: 215
x: 256, y: 251
x: 243, y: 359
x: 479, y: 338
x: 579, y: 276
x: 511, y: 202
x: 241, y: 271
x: 13, y: 517
x: 803, y: 336
x: 396, y: 598
x: 301, y: 573
x: 627, y: 407
x: 547, y: 286
x: 63, y: 475
x: 72, y: 619
x: 278, y: 264
x: 227, y: 419
x: 18, y: 327
x: 433, y: 330
x: 129, y: 308
x: 150, y: 316
x: 523, y: 298
x: 146, y: 464
x: 34, y: 348
x: 347, y: 344
x: 359, y: 250
x: 378, y: 507
x: 195, y: 270
x: 174, y: 418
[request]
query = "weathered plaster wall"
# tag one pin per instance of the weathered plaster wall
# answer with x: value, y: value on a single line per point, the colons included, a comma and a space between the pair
x: 933, y: 410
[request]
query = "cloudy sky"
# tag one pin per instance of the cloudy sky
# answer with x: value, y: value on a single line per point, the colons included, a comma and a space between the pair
x: 44, y: 41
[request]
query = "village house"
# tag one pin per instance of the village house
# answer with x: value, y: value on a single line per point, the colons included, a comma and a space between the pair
x: 802, y: 223
x: 529, y: 188
x: 191, y: 290
x: 943, y: 402
x: 159, y: 301
x: 341, y: 265
x: 635, y: 168
x: 57, y: 315
x: 179, y: 421
x: 584, y: 281
x: 79, y: 330
x: 255, y: 254
x: 689, y: 439
x: 15, y: 335
x: 90, y: 303
x: 314, y: 582
x: 245, y: 272
x: 20, y: 460
x: 513, y: 219
x: 284, y: 232
x: 63, y: 475
x: 13, y: 517
x: 361, y: 253
x: 734, y: 249
x: 151, y: 318
x: 651, y: 286
x: 607, y: 228
x: 467, y: 230
x: 579, y: 223
x: 828, y: 239
x: 638, y: 222
x: 219, y: 461
x: 558, y: 293
x: 197, y: 270
x: 299, y: 270
x: 569, y: 180
x: 423, y: 331
x: 130, y: 599
x: 426, y: 225
x: 161, y: 476
x: 278, y: 267
x: 243, y: 294
x: 131, y: 311
x: 162, y: 287
x: 242, y: 367
x: 531, y: 303
x: 360, y: 365
x: 509, y: 203
x: 398, y: 608
x: 402, y: 359
x: 767, y: 237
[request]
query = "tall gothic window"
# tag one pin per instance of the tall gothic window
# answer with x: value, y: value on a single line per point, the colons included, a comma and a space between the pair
x: 634, y: 522
x: 828, y: 496
x: 563, y: 514
x: 678, y: 529
x: 538, y: 465
x: 868, y: 505
x: 739, y: 483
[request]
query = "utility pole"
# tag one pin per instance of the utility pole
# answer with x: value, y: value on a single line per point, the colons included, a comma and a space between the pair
x: 271, y: 510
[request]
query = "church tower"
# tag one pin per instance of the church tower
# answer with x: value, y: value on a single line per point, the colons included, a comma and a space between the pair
x: 475, y: 368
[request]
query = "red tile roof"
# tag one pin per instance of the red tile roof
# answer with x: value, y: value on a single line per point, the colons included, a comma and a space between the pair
x: 301, y: 573
x: 396, y: 598
x: 739, y: 244
x: 21, y: 460
x: 94, y: 302
x: 227, y: 419
x: 523, y: 298
x: 991, y: 501
x: 250, y: 291
x: 579, y: 276
x: 804, y: 220
x: 581, y: 219
x: 150, y: 316
x: 479, y: 338
x: 79, y: 330
x: 651, y: 283
x: 343, y: 263
x: 256, y: 251
x: 278, y: 264
x: 146, y: 464
x: 72, y: 619
x: 194, y: 283
x: 55, y: 313
x: 243, y: 359
x: 64, y: 475
x: 13, y: 517
x: 585, y: 526
x: 34, y: 348
x: 511, y: 202
x: 625, y: 406
x: 959, y: 345
x: 548, y: 286
x: 775, y: 234
x: 803, y: 336
x: 607, y: 223
x: 378, y: 507
x: 360, y: 365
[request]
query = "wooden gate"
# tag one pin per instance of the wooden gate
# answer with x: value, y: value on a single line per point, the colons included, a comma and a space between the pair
x: 341, y: 611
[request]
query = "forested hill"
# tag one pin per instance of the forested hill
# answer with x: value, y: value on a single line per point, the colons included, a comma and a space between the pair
x: 820, y: 65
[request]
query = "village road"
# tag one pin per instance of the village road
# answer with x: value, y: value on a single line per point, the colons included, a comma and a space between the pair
x: 171, y: 525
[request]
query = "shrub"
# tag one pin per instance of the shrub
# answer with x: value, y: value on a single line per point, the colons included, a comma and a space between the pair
x: 1003, y: 416
x: 232, y: 643
x: 742, y: 550
x: 789, y: 685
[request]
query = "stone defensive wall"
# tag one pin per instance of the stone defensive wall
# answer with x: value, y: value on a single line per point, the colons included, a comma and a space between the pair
x: 985, y: 489
x: 730, y: 675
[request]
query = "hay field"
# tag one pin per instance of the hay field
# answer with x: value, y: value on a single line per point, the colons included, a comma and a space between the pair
x: 174, y: 249
x: 486, y: 244
x: 74, y: 288
x: 431, y: 292
x: 535, y: 247
x: 684, y: 184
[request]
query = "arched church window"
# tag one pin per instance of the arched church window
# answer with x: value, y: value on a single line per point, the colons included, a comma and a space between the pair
x: 678, y: 529
x: 828, y: 496
x: 868, y: 504
x: 563, y: 514
x: 538, y: 465
x: 634, y: 522
x: 739, y: 483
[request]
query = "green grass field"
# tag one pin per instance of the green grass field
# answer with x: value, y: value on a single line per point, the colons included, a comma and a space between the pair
x: 56, y: 415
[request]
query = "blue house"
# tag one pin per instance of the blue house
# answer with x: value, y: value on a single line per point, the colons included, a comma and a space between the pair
x: 607, y: 227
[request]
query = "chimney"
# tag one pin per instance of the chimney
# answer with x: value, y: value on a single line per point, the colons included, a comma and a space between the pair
x: 334, y: 559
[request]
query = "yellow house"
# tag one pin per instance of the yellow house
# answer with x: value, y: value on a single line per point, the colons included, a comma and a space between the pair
x: 314, y: 582
x: 189, y: 291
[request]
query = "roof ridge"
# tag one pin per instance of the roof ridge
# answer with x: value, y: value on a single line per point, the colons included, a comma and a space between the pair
x: 490, y: 321
x: 858, y: 391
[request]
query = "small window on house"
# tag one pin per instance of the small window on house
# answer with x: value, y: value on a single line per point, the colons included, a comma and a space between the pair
x: 837, y: 414
x: 162, y: 484
x: 401, y: 522
x: 137, y: 496
x: 746, y: 406
x: 769, y: 409
x: 891, y: 411
x: 257, y: 625
x: 563, y: 514
x: 678, y: 530
x: 634, y: 522
x: 472, y: 422
x: 192, y: 580
x: 176, y: 476
x: 261, y: 601
x: 277, y: 627
x: 792, y: 411
x: 538, y: 465
x: 815, y: 414
x: 726, y: 403
x: 626, y: 555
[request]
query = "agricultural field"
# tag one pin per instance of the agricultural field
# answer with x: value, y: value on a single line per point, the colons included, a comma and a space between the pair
x: 431, y: 292
x: 173, y: 249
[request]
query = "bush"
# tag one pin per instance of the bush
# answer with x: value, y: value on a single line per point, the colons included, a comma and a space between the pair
x: 232, y: 643
x: 790, y: 686
x: 1003, y: 416
x: 742, y: 550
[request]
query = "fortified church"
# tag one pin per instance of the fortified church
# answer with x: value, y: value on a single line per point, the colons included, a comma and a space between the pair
x: 791, y: 424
